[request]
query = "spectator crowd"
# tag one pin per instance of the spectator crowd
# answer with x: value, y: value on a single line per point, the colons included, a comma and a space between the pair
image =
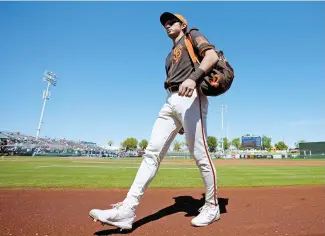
x: 15, y: 143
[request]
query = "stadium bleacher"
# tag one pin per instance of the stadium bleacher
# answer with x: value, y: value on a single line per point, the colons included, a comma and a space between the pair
x: 17, y: 143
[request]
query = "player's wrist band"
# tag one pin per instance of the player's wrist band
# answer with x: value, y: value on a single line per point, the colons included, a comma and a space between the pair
x: 197, y: 75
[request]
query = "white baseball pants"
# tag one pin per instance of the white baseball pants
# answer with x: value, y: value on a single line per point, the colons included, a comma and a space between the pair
x: 177, y: 112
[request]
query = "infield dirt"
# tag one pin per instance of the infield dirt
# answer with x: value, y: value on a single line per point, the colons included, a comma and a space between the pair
x: 298, y: 211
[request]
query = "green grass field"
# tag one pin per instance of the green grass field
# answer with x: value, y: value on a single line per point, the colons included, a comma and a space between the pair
x: 119, y: 173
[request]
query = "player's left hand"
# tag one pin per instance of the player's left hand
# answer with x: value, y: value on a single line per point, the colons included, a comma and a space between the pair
x: 187, y: 87
x: 181, y: 131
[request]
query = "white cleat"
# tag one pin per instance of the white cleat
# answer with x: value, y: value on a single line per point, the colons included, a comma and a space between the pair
x: 121, y: 216
x: 208, y: 214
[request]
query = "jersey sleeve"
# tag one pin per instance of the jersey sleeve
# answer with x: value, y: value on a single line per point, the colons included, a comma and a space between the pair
x: 201, y: 42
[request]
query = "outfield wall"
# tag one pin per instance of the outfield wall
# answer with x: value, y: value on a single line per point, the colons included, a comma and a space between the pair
x: 186, y: 155
x: 248, y: 156
x: 312, y: 149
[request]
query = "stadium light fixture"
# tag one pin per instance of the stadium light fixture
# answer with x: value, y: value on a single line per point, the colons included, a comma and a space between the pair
x: 51, y: 79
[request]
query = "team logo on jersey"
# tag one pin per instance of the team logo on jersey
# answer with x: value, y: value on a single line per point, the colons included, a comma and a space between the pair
x: 177, y: 53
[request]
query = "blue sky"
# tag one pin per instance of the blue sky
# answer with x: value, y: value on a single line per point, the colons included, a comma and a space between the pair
x: 110, y: 59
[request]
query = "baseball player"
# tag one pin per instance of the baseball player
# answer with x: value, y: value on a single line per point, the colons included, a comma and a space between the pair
x: 185, y: 108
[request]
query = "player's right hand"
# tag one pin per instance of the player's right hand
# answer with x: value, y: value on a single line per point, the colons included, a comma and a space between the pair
x: 187, y: 87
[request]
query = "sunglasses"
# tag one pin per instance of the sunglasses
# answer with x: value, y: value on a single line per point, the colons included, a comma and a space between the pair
x: 171, y: 22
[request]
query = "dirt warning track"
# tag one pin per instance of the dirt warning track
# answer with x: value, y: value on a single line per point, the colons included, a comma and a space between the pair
x: 298, y: 211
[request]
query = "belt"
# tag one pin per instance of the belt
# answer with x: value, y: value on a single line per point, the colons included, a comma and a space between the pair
x: 172, y: 89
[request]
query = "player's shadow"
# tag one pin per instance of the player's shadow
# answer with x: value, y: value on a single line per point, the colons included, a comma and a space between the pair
x: 186, y: 204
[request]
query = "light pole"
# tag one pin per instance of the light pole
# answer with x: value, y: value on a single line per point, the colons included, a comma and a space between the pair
x: 223, y: 109
x: 227, y: 131
x: 51, y: 79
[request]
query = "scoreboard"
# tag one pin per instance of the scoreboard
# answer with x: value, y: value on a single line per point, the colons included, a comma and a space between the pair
x: 251, y: 141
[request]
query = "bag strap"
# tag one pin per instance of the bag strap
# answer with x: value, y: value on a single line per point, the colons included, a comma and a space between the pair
x: 190, y: 49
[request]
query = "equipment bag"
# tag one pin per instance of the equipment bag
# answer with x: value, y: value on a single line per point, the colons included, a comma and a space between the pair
x: 220, y: 78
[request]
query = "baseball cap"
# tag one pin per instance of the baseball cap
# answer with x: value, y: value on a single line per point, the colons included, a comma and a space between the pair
x: 166, y: 16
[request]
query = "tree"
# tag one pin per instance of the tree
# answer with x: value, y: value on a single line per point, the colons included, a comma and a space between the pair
x: 281, y: 146
x: 110, y: 143
x: 236, y: 143
x: 130, y: 143
x: 298, y: 142
x: 143, y: 144
x: 226, y: 143
x: 212, y: 143
x: 266, y: 142
x: 177, y: 146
